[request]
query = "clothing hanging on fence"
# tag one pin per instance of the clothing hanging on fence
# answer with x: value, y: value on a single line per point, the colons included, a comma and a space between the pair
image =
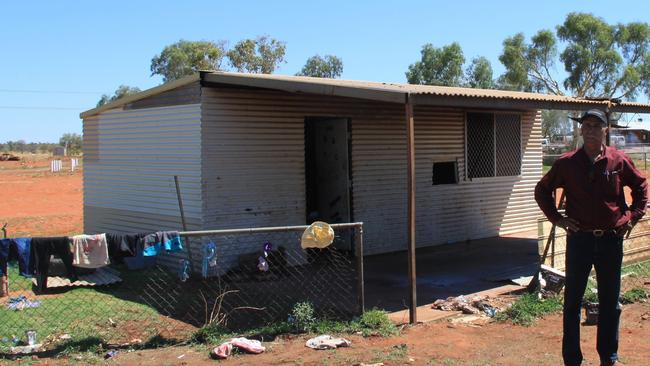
x: 15, y: 248
x: 89, y: 251
x: 168, y: 241
x: 39, y: 258
x: 209, y: 258
x: 123, y: 245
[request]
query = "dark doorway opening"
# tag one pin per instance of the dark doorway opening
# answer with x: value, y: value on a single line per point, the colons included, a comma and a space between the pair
x: 327, y: 170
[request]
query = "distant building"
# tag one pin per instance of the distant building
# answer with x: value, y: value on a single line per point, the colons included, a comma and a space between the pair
x: 633, y: 135
x: 59, y: 151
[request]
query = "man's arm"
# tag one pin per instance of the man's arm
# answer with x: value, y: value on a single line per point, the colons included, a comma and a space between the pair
x: 544, y: 193
x: 639, y: 189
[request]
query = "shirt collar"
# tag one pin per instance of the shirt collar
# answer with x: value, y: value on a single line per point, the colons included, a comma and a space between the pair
x: 606, y: 154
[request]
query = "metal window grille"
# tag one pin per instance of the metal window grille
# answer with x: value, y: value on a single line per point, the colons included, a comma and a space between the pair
x: 508, y: 144
x: 480, y: 145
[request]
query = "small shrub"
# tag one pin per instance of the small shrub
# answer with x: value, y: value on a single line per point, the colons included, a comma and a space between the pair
x: 211, y: 333
x: 634, y: 295
x: 528, y: 308
x: 591, y: 292
x: 376, y: 322
x: 302, y: 316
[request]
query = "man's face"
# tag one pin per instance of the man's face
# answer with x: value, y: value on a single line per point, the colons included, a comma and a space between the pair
x: 593, y: 132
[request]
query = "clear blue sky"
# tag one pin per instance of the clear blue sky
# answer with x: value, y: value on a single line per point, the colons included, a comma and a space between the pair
x: 59, y: 57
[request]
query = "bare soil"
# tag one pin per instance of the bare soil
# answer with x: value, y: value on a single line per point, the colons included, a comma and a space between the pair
x: 38, y: 203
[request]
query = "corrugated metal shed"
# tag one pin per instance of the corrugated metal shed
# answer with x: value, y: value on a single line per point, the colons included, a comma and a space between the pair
x: 238, y: 143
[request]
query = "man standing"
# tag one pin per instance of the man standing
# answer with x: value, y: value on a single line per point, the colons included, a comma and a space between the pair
x: 597, y: 218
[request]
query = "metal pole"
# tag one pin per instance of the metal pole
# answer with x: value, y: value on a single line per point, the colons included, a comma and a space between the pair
x: 410, y: 165
x: 271, y: 229
x: 180, y: 206
x: 360, y: 281
x: 4, y: 281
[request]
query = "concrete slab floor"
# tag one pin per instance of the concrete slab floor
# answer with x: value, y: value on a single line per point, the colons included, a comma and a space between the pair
x: 449, y: 270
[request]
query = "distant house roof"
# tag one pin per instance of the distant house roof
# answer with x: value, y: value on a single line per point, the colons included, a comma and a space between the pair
x: 386, y: 92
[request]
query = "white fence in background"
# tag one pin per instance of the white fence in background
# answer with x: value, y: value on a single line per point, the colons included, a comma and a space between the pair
x: 57, y: 165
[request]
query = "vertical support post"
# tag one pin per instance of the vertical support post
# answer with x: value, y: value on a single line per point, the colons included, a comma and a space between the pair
x: 360, y: 281
x: 410, y: 147
x: 180, y: 206
x: 4, y: 279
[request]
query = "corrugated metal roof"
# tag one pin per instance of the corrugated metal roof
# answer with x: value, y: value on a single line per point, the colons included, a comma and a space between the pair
x: 389, y: 92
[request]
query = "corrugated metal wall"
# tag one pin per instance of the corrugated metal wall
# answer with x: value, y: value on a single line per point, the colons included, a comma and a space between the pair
x: 253, y: 168
x: 129, y: 176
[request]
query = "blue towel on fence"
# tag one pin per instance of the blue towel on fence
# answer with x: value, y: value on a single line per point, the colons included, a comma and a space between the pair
x: 168, y: 241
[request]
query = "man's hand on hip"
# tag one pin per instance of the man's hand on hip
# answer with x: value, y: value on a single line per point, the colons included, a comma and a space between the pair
x: 568, y: 224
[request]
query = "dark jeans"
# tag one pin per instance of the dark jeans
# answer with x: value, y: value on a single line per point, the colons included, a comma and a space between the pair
x: 605, y: 254
x: 39, y: 258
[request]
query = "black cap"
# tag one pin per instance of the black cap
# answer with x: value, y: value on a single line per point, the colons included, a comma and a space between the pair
x: 596, y: 113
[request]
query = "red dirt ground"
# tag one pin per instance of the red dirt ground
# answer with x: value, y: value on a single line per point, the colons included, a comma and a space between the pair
x: 37, y: 202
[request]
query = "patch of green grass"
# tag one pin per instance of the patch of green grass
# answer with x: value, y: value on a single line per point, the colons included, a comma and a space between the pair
x: 398, y: 352
x: 372, y: 323
x: 83, y: 313
x: 637, y: 269
x: 634, y: 295
x: 526, y: 309
x: 545, y: 168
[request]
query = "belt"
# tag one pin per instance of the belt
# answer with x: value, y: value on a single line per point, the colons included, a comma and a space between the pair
x: 599, y: 232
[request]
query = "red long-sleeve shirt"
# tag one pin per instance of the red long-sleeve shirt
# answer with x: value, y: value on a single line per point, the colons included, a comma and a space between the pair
x: 594, y: 192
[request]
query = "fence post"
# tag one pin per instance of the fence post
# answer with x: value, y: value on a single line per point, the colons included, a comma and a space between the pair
x: 4, y: 282
x: 359, y: 253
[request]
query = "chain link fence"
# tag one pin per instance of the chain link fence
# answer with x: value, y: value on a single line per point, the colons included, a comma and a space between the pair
x: 636, y: 255
x: 255, y: 277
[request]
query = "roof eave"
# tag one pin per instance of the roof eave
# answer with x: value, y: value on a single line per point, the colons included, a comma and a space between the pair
x: 299, y: 86
x: 142, y: 95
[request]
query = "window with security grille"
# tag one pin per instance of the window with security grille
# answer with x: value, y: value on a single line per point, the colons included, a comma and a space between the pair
x: 508, y: 144
x: 493, y: 145
x: 480, y: 145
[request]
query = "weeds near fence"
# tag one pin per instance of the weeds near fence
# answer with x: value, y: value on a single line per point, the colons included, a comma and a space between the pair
x: 302, y: 320
x: 635, y: 295
x: 528, y: 308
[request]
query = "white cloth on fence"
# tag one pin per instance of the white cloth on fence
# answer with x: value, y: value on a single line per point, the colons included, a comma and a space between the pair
x: 89, y: 251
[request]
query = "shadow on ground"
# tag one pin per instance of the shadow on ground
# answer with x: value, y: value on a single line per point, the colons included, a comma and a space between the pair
x: 448, y: 270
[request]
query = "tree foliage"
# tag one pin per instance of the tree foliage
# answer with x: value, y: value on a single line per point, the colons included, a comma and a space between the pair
x: 600, y: 60
x: 72, y: 141
x: 21, y: 146
x: 187, y: 57
x: 555, y: 123
x: 438, y: 66
x: 121, y: 91
x: 322, y: 67
x: 479, y: 74
x: 262, y: 55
